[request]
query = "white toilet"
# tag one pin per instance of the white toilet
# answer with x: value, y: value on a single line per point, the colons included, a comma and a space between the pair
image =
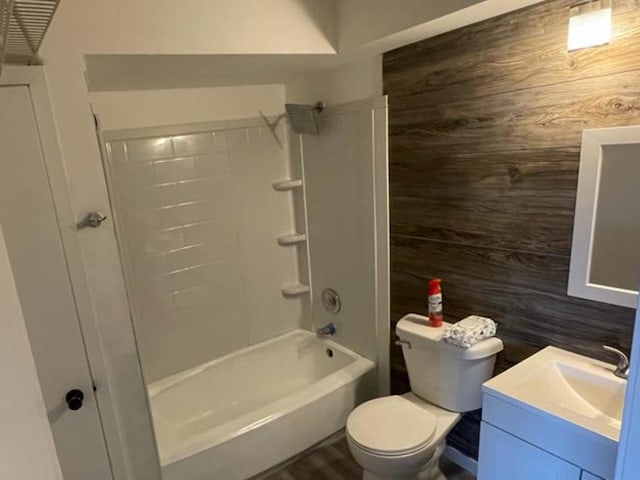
x: 403, y: 437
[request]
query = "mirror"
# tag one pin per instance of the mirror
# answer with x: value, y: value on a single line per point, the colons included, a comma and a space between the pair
x: 605, y: 256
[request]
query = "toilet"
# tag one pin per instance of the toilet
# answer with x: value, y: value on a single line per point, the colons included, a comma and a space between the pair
x: 403, y: 437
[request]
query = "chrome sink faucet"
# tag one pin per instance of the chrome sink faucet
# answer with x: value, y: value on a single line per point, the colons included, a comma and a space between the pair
x: 327, y: 331
x: 622, y: 368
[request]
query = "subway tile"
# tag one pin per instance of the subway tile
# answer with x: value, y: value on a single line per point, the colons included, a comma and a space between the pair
x: 224, y: 274
x: 186, y: 278
x: 280, y: 209
x: 201, y: 224
x: 159, y: 242
x: 169, y: 171
x: 132, y: 175
x: 223, y: 243
x: 189, y: 256
x: 270, y: 315
x: 153, y: 308
x: 191, y: 298
x: 163, y: 172
x: 216, y: 187
x: 142, y: 221
x: 219, y: 198
x: 236, y: 139
x: 193, y: 144
x: 159, y: 285
x: 220, y: 140
x: 186, y: 213
x: 163, y: 195
x: 149, y: 149
x: 117, y: 153
x: 220, y: 206
x: 216, y: 163
x: 189, y: 190
x: 149, y: 265
x: 185, y: 168
x: 136, y: 199
x: 198, y: 233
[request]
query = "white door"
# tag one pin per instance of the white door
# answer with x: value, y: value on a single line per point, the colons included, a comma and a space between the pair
x: 25, y: 432
x: 33, y: 241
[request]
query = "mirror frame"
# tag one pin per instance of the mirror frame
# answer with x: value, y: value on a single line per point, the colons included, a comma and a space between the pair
x: 593, y: 141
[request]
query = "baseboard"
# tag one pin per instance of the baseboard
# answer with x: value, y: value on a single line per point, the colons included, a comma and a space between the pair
x: 460, y: 459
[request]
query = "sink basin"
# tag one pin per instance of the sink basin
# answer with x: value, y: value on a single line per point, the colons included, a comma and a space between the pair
x: 561, y: 403
x: 578, y: 389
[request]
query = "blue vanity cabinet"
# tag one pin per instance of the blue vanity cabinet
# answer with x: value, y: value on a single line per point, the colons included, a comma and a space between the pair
x: 518, y: 441
x: 589, y: 476
x: 505, y: 457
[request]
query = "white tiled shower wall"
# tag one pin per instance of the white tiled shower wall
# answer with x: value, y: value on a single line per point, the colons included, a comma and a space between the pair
x: 198, y: 221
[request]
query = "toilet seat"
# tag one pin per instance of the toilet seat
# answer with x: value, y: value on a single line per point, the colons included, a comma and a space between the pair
x: 391, y: 426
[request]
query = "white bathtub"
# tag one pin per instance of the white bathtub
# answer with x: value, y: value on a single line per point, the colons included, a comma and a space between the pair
x: 241, y: 414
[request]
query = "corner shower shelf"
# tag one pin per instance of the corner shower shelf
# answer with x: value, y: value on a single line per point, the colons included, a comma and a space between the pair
x: 286, y: 185
x: 295, y: 290
x: 292, y: 239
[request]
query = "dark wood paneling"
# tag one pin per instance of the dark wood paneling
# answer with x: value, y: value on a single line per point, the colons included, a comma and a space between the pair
x: 528, y: 220
x: 550, y: 116
x: 530, y: 39
x: 485, y: 129
x: 524, y: 292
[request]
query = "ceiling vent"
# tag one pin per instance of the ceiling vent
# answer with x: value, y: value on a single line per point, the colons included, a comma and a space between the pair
x: 23, y: 25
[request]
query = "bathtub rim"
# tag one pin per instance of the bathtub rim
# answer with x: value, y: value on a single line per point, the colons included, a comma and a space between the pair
x: 270, y: 412
x: 158, y: 386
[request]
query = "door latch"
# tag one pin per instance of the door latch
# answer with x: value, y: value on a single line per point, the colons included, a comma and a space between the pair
x: 92, y: 220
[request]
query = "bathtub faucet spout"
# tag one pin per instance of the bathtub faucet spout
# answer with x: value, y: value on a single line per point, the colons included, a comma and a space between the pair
x: 328, y: 330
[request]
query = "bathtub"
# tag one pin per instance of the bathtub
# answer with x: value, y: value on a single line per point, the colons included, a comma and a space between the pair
x: 239, y: 415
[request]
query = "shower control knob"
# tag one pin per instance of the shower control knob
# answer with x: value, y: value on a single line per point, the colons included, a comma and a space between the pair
x: 74, y: 399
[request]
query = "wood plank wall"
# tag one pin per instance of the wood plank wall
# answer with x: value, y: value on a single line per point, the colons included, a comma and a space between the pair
x: 485, y: 129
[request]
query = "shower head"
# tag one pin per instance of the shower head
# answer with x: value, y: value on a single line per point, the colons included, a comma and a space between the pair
x: 302, y: 117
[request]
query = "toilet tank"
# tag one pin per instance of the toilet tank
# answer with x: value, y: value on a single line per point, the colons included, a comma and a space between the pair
x: 443, y: 374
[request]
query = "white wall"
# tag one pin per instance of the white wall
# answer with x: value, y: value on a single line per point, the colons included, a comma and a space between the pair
x: 26, y: 444
x: 377, y: 26
x: 204, y: 27
x: 345, y: 181
x: 362, y: 22
x: 150, y: 108
x: 199, y: 221
x: 354, y: 81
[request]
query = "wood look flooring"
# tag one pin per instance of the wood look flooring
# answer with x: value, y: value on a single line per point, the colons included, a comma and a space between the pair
x: 332, y: 461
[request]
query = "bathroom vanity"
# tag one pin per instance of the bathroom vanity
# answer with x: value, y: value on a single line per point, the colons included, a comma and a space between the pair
x: 555, y: 416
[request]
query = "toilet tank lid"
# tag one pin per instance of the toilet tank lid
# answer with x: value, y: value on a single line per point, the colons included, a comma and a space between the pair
x: 414, y: 329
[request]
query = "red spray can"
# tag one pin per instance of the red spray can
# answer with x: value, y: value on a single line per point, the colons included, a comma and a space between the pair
x: 434, y: 293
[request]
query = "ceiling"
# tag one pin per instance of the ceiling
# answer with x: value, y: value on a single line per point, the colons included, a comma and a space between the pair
x: 374, y: 27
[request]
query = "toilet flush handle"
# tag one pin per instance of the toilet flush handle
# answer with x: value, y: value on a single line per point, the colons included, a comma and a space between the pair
x: 403, y: 343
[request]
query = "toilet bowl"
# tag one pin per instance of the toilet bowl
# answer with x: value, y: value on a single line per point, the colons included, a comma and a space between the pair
x: 404, y: 437
x: 399, y: 438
